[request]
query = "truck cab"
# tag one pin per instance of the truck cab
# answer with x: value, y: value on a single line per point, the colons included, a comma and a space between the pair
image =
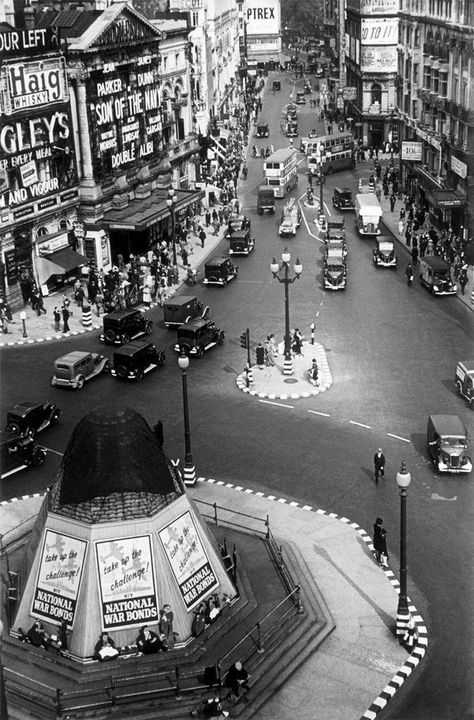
x: 446, y: 438
x: 266, y: 200
x: 368, y: 214
x: 435, y: 275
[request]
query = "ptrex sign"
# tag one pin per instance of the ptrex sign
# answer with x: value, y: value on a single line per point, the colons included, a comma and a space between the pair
x: 262, y: 17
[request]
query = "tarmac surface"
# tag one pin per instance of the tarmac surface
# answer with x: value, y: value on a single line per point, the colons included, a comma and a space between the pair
x: 360, y: 665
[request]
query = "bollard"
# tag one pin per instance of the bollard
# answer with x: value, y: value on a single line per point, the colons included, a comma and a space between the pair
x: 23, y: 323
x: 312, y: 333
x: 86, y: 316
x: 360, y: 183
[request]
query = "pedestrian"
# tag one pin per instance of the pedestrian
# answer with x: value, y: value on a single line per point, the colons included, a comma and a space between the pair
x: 216, y: 226
x: 269, y: 352
x: 297, y: 343
x: 409, y: 274
x: 65, y: 314
x: 383, y: 548
x: 207, y: 218
x: 202, y: 234
x: 236, y: 680
x: 379, y: 465
x: 313, y: 373
x: 401, y: 227
x: 463, y: 279
x: 260, y: 354
x: 408, y: 236
x: 57, y: 319
x: 414, y: 255
x: 393, y: 200
x: 378, y: 544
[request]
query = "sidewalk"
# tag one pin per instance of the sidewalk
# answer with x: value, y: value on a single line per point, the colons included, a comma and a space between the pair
x: 41, y: 329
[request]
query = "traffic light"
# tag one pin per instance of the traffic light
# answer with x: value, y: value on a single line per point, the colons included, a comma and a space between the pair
x: 243, y: 340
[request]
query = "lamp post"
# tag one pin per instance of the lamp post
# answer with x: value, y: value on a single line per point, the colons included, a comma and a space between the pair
x: 23, y: 323
x: 276, y: 268
x: 189, y: 472
x: 171, y: 202
x: 320, y: 155
x: 403, y: 614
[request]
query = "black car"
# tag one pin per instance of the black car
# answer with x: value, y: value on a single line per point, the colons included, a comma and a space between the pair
x: 121, y: 326
x: 19, y: 452
x: 235, y: 223
x: 219, y: 271
x: 136, y: 359
x: 262, y: 130
x: 29, y: 418
x: 342, y: 198
x: 197, y: 336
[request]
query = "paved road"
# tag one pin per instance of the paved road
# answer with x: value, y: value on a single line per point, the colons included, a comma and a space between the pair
x: 392, y: 353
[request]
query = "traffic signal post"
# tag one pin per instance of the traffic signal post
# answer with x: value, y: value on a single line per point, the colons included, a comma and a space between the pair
x: 245, y: 343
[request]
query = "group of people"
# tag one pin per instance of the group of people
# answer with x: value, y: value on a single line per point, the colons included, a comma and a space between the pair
x: 40, y: 638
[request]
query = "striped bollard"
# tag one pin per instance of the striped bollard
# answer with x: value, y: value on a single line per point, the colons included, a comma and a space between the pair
x: 288, y: 366
x: 86, y: 316
x: 312, y: 333
x: 189, y: 473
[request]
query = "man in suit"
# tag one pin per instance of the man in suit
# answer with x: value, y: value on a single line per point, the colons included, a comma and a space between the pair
x: 379, y: 465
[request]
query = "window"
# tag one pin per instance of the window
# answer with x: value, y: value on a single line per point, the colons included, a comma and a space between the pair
x: 416, y: 73
x: 41, y: 231
x: 63, y: 224
x: 435, y: 81
x: 416, y: 40
x: 427, y: 77
x: 443, y: 84
x: 376, y: 93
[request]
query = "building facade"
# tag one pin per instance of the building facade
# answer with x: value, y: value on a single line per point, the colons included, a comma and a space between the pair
x: 436, y: 107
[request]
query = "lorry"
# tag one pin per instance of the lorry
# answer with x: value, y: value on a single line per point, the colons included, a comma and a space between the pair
x: 435, y: 274
x: 265, y: 199
x: 290, y: 218
x: 446, y: 438
x: 368, y: 214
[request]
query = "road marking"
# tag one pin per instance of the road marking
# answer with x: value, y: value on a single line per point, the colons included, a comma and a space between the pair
x: 327, y: 208
x: 435, y: 496
x: 397, y: 437
x: 316, y: 412
x: 269, y: 402
x: 50, y: 450
x: 353, y: 422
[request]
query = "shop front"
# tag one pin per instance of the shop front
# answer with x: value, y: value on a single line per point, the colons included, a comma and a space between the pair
x: 56, y: 264
x: 446, y: 206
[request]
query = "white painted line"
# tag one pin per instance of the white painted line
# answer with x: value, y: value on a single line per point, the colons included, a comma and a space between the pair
x: 50, y: 450
x: 397, y: 437
x: 315, y: 412
x: 269, y: 402
x: 353, y: 422
x: 327, y: 208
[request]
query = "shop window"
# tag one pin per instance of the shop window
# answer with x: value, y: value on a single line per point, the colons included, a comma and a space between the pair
x: 376, y: 93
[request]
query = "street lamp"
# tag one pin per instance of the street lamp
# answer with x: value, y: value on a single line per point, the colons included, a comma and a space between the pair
x: 276, y: 267
x: 171, y: 202
x: 189, y: 472
x: 403, y: 615
x: 320, y: 157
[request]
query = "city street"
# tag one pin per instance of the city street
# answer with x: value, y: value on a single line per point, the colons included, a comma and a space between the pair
x: 392, y: 351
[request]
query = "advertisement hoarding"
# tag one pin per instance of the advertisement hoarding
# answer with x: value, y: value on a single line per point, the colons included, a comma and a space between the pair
x: 412, y: 150
x: 379, y: 7
x: 262, y: 17
x: 59, y: 578
x: 379, y: 31
x: 458, y: 167
x: 127, y: 582
x: 189, y: 562
x: 379, y: 59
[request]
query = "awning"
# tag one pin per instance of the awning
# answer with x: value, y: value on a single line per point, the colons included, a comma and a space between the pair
x: 141, y: 214
x: 445, y: 198
x: 58, y: 263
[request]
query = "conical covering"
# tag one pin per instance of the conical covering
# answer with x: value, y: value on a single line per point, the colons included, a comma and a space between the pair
x: 113, y: 452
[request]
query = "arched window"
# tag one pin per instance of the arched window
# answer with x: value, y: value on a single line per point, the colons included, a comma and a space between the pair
x: 41, y: 231
x: 63, y: 224
x: 376, y: 93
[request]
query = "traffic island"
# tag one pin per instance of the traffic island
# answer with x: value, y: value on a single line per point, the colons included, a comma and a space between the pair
x: 268, y: 381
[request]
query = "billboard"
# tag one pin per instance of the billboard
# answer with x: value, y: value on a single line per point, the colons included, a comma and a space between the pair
x: 127, y: 582
x: 262, y: 17
x: 59, y: 578
x: 379, y: 31
x: 379, y: 59
x: 412, y: 150
x: 379, y: 7
x: 189, y: 562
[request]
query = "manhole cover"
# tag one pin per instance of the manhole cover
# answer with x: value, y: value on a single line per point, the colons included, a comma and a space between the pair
x: 290, y: 380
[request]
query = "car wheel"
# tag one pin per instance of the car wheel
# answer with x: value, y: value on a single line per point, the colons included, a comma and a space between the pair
x: 125, y: 338
x: 80, y: 382
x: 139, y: 375
x: 162, y: 359
x: 199, y: 352
x: 220, y: 337
x: 55, y: 417
x: 110, y: 336
x: 121, y: 372
x: 148, y: 328
x: 13, y: 428
x: 106, y: 368
x: 38, y: 458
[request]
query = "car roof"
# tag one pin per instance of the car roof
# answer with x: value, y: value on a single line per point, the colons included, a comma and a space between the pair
x: 23, y: 408
x: 448, y: 424
x: 73, y: 356
x: 435, y: 262
x: 180, y: 300
x: 342, y: 190
x: 217, y: 261
x: 118, y: 314
x: 133, y: 347
x: 467, y: 365
x: 195, y: 323
x: 240, y: 234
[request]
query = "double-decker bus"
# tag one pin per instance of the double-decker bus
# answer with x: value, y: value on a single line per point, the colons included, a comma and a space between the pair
x: 337, y: 151
x: 280, y: 171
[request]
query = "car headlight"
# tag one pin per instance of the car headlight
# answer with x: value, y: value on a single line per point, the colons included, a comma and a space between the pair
x: 455, y: 288
x: 436, y: 288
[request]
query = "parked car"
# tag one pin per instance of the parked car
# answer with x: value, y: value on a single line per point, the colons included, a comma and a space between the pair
x: 121, y: 326
x: 241, y: 243
x: 236, y: 223
x: 384, y: 253
x: 446, y: 438
x: 435, y: 274
x: 18, y: 452
x: 27, y: 418
x: 219, y: 271
x: 464, y: 380
x: 77, y: 367
x: 181, y: 308
x: 197, y: 336
x: 136, y: 359
x: 262, y: 130
x: 342, y: 199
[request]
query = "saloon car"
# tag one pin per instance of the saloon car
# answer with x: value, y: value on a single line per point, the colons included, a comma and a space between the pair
x: 121, y: 326
x: 198, y: 336
x: 74, y: 369
x: 384, y: 253
x: 134, y: 360
x: 29, y: 418
x: 19, y: 452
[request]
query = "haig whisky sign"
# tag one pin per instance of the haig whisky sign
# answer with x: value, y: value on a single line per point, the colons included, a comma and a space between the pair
x: 32, y: 85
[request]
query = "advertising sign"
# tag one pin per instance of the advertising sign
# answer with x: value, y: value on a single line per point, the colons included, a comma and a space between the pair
x: 350, y: 93
x: 412, y: 150
x: 127, y: 582
x: 379, y: 7
x: 185, y: 5
x: 28, y: 42
x: 262, y: 17
x: 379, y: 59
x: 59, y: 578
x: 125, y: 114
x: 379, y: 31
x: 32, y: 85
x: 188, y: 560
x: 458, y: 167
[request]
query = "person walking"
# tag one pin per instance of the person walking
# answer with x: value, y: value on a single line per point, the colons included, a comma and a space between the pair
x: 378, y: 543
x: 379, y: 465
x: 409, y: 274
x: 463, y: 279
x: 392, y: 202
x: 313, y: 373
x: 297, y: 342
x: 202, y: 234
x: 57, y: 319
x: 65, y: 314
x: 383, y: 548
x: 414, y: 254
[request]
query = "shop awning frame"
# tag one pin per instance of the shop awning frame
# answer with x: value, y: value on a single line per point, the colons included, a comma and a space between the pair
x: 58, y: 263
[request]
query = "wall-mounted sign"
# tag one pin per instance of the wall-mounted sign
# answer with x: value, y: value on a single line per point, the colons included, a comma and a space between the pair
x: 350, y: 93
x: 189, y: 562
x: 458, y: 167
x: 59, y: 578
x: 29, y: 42
x: 262, y: 17
x: 379, y: 59
x: 32, y: 84
x: 379, y: 7
x: 185, y: 5
x: 127, y: 582
x: 412, y: 150
x: 379, y: 31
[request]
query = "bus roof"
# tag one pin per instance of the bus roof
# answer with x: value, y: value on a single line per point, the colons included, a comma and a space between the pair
x: 367, y: 200
x: 281, y: 155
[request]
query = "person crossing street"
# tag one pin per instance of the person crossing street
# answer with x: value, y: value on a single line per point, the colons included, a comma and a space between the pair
x: 379, y: 465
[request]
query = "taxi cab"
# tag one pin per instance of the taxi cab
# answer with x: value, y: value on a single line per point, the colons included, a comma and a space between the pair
x: 384, y: 253
x: 219, y: 271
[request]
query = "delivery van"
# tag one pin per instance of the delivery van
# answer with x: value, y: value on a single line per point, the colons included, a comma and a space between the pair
x: 446, y: 438
x: 368, y: 214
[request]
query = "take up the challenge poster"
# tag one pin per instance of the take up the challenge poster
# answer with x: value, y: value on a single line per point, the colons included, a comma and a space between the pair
x: 127, y: 582
x: 59, y: 578
x: 188, y: 560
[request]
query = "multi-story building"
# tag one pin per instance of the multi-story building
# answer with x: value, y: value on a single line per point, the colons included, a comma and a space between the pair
x: 436, y: 107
